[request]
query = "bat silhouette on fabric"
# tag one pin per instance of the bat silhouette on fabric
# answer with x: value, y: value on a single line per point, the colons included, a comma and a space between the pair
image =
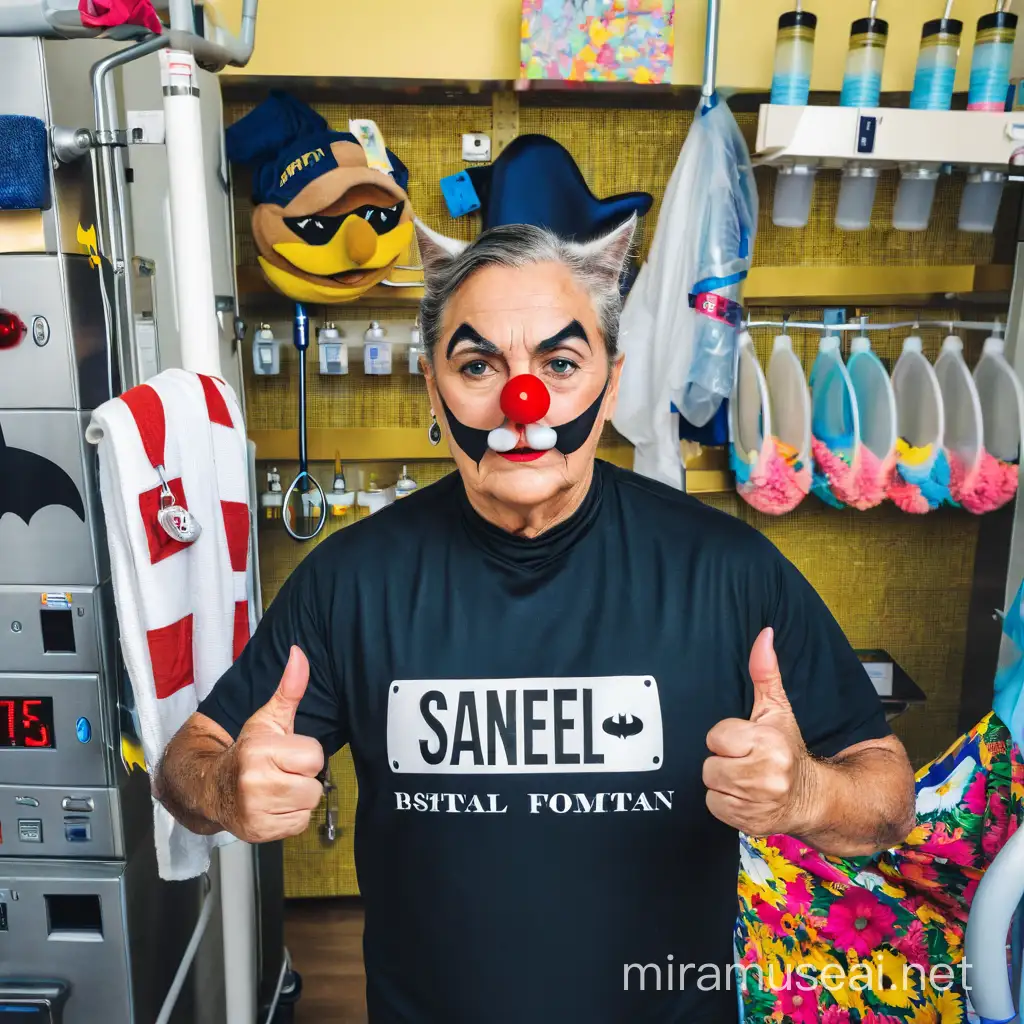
x: 30, y: 482
x: 622, y: 726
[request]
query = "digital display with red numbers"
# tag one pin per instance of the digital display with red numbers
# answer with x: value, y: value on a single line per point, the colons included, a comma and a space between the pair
x: 26, y: 722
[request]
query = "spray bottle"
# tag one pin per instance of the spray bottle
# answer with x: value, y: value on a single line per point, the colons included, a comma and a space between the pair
x: 989, y: 91
x: 933, y: 90
x: 794, y: 57
x: 862, y: 87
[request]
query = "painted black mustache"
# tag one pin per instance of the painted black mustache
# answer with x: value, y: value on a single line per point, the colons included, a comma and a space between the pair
x: 571, y: 436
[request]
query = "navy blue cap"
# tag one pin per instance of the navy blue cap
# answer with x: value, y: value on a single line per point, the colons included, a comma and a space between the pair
x: 288, y: 144
x: 281, y: 180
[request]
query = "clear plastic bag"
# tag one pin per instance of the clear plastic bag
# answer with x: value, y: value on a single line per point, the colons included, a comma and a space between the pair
x: 710, y: 207
x: 724, y: 218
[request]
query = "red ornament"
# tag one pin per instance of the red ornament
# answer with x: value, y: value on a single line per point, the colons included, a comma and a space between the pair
x: 12, y: 330
x: 525, y: 399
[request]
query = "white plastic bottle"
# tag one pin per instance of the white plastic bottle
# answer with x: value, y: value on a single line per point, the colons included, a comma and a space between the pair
x: 376, y: 350
x: 1002, y: 401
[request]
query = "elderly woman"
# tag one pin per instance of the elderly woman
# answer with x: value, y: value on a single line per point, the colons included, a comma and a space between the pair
x: 565, y: 688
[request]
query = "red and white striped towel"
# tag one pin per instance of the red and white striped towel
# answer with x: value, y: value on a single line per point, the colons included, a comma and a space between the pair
x: 184, y: 611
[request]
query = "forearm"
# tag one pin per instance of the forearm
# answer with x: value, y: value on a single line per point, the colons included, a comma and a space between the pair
x: 858, y: 803
x: 189, y: 780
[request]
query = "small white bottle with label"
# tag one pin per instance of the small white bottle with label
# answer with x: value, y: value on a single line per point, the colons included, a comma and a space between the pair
x: 376, y: 350
x: 266, y: 354
x: 405, y: 484
x: 416, y: 348
x: 333, y: 351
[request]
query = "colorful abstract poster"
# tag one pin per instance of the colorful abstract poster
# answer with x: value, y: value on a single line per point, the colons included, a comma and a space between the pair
x: 597, y: 40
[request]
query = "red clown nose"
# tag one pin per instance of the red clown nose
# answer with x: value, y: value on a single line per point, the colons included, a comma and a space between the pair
x: 525, y: 399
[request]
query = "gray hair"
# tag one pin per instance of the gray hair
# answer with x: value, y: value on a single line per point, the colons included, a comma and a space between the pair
x: 596, y: 265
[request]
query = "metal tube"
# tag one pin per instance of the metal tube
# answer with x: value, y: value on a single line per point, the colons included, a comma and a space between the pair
x: 112, y: 200
x: 190, y: 953
x: 183, y: 16
x: 303, y: 453
x: 817, y: 325
x: 949, y: 10
x: 102, y: 68
x: 190, y: 222
x: 240, y: 48
x: 711, y: 50
x: 985, y: 940
x: 225, y: 48
x: 237, y: 885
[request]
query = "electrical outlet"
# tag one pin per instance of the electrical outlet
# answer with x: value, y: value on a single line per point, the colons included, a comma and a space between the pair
x: 476, y: 147
x: 146, y: 127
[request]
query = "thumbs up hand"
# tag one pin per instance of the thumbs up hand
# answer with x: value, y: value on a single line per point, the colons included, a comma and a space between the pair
x: 269, y: 782
x: 761, y: 779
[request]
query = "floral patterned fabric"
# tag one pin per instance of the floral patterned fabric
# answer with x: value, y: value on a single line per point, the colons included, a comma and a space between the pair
x: 864, y: 941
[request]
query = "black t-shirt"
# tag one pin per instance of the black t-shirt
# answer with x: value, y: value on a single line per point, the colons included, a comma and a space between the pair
x: 528, y: 723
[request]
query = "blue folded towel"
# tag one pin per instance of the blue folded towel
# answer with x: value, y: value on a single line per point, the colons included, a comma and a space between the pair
x: 24, y: 163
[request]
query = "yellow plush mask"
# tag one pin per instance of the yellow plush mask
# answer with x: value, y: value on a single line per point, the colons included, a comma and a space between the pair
x: 328, y: 226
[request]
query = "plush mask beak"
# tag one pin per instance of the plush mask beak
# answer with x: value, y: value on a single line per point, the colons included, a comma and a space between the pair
x: 354, y: 246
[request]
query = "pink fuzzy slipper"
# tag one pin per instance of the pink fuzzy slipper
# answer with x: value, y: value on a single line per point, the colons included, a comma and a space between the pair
x: 776, y: 486
x: 992, y: 485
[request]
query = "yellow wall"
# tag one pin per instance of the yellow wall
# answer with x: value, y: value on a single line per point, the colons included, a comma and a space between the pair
x: 478, y: 40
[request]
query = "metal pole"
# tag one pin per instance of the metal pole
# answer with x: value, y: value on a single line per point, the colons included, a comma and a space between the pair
x: 183, y: 16
x: 112, y: 200
x: 237, y: 886
x: 902, y: 325
x: 190, y: 223
x: 711, y: 50
x: 224, y: 48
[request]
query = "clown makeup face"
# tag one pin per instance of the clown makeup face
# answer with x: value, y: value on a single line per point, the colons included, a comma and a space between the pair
x: 522, y: 384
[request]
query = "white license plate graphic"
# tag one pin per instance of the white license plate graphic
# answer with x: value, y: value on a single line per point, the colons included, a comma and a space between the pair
x: 524, y: 726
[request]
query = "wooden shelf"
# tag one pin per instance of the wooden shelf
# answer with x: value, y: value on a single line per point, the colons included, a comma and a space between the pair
x: 706, y: 473
x: 376, y: 444
x: 479, y: 41
x: 253, y: 289
x: 882, y: 284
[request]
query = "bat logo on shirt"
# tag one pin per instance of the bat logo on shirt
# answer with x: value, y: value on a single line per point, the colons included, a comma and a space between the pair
x: 30, y: 482
x: 622, y: 726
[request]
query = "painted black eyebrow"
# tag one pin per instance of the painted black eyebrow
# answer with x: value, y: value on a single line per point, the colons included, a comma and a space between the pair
x: 466, y: 333
x: 573, y: 330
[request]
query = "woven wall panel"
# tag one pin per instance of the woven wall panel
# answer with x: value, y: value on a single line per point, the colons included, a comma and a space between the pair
x: 621, y: 150
x: 893, y: 581
x: 314, y: 869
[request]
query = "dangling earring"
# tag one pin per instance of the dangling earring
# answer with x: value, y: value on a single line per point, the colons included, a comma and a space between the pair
x: 434, y: 433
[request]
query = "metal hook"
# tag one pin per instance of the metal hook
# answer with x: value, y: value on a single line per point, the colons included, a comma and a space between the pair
x: 166, y: 494
x: 785, y: 322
